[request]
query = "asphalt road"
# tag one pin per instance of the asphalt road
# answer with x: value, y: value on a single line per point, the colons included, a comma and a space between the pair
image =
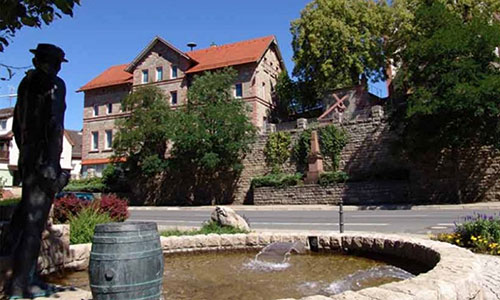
x: 388, y: 221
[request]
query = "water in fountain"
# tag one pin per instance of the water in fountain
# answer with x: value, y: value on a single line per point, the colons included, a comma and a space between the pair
x: 275, y: 256
x: 356, y: 281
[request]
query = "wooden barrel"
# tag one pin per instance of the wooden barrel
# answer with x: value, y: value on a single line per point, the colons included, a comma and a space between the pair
x: 126, y: 262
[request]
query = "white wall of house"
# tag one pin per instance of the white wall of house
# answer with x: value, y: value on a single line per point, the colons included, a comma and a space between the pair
x: 76, y: 170
x: 66, y: 154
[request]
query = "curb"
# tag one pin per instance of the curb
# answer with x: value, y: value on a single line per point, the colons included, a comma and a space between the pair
x: 473, y: 206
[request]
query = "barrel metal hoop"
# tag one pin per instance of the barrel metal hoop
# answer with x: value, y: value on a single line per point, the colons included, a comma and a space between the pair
x: 125, y: 287
x: 125, y: 256
x: 110, y: 239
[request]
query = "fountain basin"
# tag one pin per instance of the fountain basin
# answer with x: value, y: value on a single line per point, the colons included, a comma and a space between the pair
x: 454, y: 272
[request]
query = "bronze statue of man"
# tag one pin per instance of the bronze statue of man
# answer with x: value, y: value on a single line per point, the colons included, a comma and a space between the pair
x: 38, y: 130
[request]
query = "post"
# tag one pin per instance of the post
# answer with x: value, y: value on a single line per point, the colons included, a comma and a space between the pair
x: 341, y: 216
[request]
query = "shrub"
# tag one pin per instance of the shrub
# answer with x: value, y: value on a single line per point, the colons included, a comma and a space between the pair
x: 91, y: 185
x: 301, y: 149
x: 10, y: 201
x: 277, y: 180
x: 332, y: 140
x: 113, y: 177
x: 328, y: 178
x: 277, y: 150
x: 68, y: 206
x: 83, y: 225
x: 115, y: 207
x: 479, y: 232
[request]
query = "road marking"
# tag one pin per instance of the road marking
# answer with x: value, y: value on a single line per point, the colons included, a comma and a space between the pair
x: 446, y: 224
x: 386, y: 216
x: 439, y: 227
x: 267, y: 223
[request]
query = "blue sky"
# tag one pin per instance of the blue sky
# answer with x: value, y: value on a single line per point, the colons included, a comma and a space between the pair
x: 110, y: 32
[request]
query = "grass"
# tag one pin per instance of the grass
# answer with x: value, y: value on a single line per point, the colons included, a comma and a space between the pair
x: 10, y: 201
x: 207, y: 228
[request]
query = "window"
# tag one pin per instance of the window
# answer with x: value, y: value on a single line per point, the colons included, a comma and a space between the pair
x: 174, y: 72
x: 238, y: 93
x: 95, y: 140
x: 96, y: 110
x: 159, y: 73
x: 3, y: 124
x: 145, y: 76
x: 109, y: 139
x: 173, y: 98
x: 109, y: 109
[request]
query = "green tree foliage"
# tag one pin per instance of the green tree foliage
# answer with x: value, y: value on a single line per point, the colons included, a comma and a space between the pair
x: 449, y: 86
x: 331, y: 141
x: 334, y: 41
x: 142, y: 137
x: 277, y: 150
x: 16, y: 14
x: 214, y: 132
x: 286, y: 95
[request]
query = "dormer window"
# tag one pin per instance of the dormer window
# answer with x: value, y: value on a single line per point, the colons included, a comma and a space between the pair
x: 145, y: 76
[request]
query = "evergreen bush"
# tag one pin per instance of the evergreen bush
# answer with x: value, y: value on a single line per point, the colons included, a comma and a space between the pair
x: 277, y: 150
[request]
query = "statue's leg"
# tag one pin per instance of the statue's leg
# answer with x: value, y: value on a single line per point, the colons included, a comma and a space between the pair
x: 37, y: 207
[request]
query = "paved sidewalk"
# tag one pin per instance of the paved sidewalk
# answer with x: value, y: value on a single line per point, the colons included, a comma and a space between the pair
x: 471, y: 206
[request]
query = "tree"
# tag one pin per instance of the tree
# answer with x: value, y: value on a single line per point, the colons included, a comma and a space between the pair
x: 448, y: 87
x: 212, y: 136
x: 334, y: 41
x: 16, y: 14
x: 216, y: 131
x: 143, y: 136
x: 286, y: 95
x: 448, y: 84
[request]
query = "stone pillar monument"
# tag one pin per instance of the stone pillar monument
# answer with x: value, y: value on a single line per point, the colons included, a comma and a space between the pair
x: 315, y: 160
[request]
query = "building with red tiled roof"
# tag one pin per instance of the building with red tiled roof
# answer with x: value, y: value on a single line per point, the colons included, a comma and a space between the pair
x: 257, y: 61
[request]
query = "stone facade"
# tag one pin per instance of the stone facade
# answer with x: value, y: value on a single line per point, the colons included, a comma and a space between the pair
x: 352, y: 193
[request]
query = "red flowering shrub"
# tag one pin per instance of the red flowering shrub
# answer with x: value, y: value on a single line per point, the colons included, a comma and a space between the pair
x: 67, y: 206
x: 116, y: 208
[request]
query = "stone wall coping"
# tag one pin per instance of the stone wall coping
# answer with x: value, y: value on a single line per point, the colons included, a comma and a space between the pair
x: 455, y: 272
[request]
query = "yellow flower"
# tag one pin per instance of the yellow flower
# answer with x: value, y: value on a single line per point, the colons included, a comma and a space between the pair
x: 457, y: 241
x: 473, y: 238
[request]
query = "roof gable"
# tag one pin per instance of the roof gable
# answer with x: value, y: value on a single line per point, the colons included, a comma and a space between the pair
x: 230, y: 54
x: 157, y: 39
x: 115, y: 75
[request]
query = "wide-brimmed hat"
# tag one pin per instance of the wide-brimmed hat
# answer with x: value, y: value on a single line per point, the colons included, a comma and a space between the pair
x: 49, y: 50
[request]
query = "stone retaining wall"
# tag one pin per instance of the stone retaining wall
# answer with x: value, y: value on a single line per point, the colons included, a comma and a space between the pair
x: 352, y: 193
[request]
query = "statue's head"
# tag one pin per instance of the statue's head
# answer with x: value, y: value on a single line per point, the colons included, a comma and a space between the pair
x: 48, y: 58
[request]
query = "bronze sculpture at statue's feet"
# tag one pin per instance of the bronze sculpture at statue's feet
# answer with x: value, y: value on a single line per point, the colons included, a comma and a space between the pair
x: 38, y: 130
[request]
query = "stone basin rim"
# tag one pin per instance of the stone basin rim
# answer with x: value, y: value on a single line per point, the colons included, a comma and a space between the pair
x: 455, y: 272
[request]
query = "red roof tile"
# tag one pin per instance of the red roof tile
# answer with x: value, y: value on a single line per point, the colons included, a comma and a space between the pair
x: 114, y: 75
x: 229, y: 54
